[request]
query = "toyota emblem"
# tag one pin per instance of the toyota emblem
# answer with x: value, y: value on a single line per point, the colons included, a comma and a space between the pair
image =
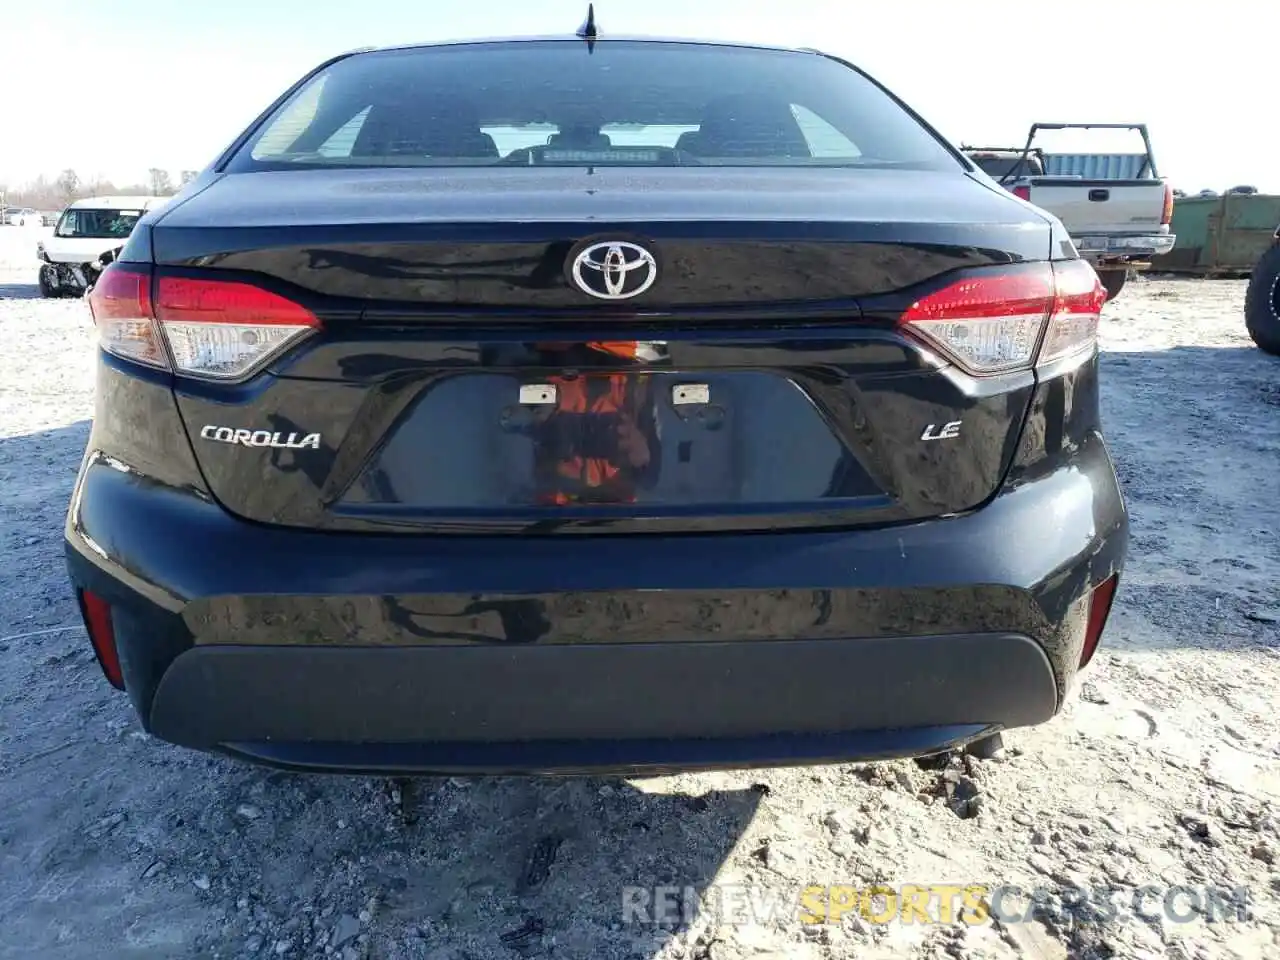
x: 614, y: 270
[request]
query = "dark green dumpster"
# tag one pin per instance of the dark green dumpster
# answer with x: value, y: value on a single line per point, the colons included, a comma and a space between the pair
x: 1220, y: 236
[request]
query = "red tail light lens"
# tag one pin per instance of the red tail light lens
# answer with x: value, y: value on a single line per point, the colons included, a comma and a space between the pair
x: 120, y: 304
x: 1167, y: 217
x: 1022, y: 193
x: 222, y: 329
x: 97, y: 622
x: 1073, y: 327
x: 1100, y: 601
x: 992, y: 322
x: 216, y: 329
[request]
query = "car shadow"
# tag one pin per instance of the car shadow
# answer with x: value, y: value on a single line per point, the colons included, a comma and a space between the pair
x: 1191, y: 430
x: 19, y: 291
x: 37, y: 472
x: 521, y: 864
x: 221, y: 857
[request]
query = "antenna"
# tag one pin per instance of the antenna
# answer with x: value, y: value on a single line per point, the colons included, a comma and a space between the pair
x: 588, y: 31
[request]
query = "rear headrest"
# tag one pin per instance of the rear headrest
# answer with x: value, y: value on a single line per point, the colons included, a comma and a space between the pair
x: 690, y: 142
x: 747, y: 127
x: 405, y: 130
x: 580, y: 140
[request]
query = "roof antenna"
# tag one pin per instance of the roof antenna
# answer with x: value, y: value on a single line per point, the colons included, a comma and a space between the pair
x: 588, y: 30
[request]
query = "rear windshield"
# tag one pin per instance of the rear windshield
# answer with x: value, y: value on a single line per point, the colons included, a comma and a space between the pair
x: 627, y: 103
x: 97, y: 224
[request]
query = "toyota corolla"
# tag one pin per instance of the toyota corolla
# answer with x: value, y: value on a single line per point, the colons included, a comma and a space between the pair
x: 591, y: 403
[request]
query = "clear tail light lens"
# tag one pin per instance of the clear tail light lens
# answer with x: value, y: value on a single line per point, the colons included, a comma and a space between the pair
x: 223, y: 330
x: 992, y: 322
x: 120, y: 303
x: 989, y: 323
x: 215, y: 329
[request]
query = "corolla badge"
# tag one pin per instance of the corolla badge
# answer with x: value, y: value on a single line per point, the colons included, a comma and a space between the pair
x: 614, y: 270
x: 261, y: 438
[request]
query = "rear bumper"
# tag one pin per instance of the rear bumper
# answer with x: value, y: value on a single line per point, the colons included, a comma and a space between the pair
x: 1130, y: 247
x: 358, y: 652
x: 583, y: 705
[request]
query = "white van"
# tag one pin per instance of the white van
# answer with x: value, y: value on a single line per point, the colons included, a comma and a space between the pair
x: 86, y: 230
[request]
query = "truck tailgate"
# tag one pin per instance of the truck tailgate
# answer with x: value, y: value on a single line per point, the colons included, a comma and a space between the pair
x: 1101, y: 206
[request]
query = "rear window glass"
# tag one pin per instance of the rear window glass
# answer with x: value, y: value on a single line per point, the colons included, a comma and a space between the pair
x: 999, y: 167
x: 534, y: 103
x: 97, y: 224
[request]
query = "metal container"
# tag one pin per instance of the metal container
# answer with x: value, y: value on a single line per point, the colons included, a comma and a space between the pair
x: 1221, y: 236
x: 1098, y: 166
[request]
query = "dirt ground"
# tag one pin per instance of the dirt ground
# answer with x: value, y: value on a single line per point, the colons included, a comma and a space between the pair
x: 1161, y: 779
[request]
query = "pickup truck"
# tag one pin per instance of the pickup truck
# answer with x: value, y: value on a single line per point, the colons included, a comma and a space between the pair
x: 1115, y: 206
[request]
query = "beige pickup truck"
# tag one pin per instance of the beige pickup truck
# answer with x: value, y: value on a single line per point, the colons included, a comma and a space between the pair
x: 1115, y: 206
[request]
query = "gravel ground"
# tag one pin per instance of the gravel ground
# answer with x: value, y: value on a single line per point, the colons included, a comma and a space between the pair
x: 1163, y: 771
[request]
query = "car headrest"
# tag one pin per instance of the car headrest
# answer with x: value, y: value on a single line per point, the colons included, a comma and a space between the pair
x: 410, y: 132
x: 580, y: 140
x: 747, y: 127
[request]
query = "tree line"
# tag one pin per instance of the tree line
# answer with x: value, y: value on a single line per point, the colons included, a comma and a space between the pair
x: 46, y: 193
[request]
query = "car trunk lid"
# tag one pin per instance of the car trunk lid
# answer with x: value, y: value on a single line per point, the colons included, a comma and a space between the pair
x: 463, y: 381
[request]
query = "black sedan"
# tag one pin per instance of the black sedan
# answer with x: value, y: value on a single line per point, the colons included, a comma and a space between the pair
x: 586, y: 402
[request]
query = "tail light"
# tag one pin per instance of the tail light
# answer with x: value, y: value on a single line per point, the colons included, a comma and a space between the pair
x: 97, y: 622
x: 1167, y: 217
x: 121, y: 308
x: 995, y: 321
x: 1099, y: 609
x: 223, y: 329
x: 215, y: 329
x: 1022, y: 193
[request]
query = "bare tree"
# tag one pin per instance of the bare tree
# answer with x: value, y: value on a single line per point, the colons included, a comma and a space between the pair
x: 40, y: 193
x: 99, y: 187
x: 68, y: 185
x: 161, y: 184
x: 188, y: 175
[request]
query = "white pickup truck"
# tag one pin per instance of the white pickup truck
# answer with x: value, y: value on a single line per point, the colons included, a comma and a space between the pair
x: 1115, y: 206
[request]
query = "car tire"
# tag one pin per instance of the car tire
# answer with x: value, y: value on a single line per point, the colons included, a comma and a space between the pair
x: 1262, y: 302
x: 1114, y: 281
x: 47, y: 289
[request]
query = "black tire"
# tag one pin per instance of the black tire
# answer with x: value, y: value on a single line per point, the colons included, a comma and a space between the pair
x: 1262, y: 302
x: 47, y: 290
x: 1114, y: 281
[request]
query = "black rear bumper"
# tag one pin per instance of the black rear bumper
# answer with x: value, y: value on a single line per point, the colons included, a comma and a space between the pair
x: 637, y: 704
x: 393, y: 653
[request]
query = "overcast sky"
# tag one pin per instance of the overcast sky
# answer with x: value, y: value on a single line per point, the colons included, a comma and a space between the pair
x: 112, y: 88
